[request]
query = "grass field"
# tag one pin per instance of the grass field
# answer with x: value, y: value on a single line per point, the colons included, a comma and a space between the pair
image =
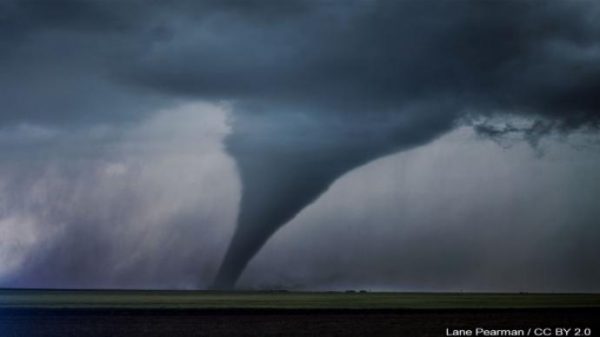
x: 58, y: 313
x: 106, y: 299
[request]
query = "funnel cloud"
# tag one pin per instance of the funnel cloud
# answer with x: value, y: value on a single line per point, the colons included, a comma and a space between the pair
x: 314, y: 89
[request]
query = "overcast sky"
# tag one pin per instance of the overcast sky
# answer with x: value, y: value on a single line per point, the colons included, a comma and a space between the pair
x: 391, y: 145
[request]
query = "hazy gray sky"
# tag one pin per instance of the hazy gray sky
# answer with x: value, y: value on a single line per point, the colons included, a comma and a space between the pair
x: 458, y: 214
x: 321, y: 144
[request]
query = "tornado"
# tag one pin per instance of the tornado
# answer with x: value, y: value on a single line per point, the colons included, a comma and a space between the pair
x: 316, y: 88
x: 319, y: 88
x: 285, y: 166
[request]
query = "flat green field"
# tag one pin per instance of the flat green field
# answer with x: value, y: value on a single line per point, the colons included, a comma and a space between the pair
x: 106, y: 299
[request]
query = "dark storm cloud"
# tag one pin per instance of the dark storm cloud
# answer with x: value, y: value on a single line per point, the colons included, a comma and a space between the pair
x: 535, y: 57
x: 318, y: 87
x: 56, y: 60
x: 68, y: 61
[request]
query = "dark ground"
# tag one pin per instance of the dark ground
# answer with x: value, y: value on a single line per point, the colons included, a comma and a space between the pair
x: 277, y: 322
